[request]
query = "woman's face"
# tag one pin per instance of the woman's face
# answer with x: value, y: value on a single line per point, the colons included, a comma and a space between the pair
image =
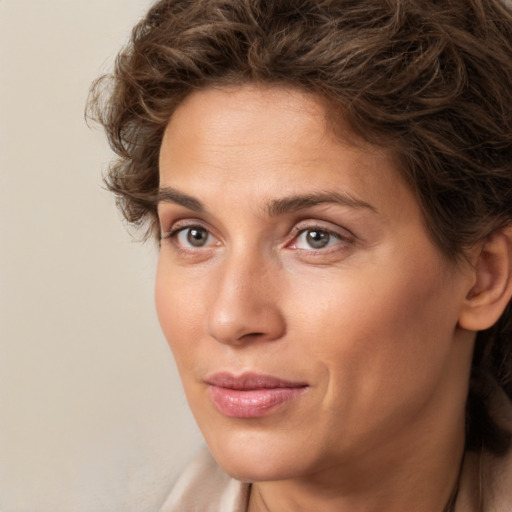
x: 313, y: 321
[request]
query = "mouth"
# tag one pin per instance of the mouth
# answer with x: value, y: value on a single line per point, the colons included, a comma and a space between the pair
x: 251, y: 395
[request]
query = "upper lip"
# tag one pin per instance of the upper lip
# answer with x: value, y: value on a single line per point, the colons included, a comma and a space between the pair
x: 248, y: 381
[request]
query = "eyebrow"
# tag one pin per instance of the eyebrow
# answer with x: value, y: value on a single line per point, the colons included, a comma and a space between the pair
x: 301, y: 202
x: 276, y: 206
x: 171, y: 195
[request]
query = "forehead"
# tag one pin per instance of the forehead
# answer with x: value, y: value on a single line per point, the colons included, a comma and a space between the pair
x: 237, y: 118
x: 257, y: 129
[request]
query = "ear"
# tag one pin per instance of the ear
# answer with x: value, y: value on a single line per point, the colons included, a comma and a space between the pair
x: 492, y: 285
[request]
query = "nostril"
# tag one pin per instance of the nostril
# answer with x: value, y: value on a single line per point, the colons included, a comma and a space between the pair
x: 251, y: 335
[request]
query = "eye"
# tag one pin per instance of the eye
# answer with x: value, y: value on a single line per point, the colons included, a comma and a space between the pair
x: 316, y: 239
x: 193, y: 236
x: 190, y: 237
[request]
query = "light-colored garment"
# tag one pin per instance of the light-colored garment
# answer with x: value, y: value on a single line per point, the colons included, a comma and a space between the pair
x: 485, y: 483
x: 205, y: 487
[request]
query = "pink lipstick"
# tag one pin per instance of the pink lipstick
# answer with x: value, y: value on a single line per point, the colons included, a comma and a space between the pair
x: 251, y: 395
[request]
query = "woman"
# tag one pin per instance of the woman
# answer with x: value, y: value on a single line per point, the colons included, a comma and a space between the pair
x: 331, y: 185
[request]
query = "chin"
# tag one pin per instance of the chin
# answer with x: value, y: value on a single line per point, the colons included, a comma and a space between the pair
x: 259, y: 458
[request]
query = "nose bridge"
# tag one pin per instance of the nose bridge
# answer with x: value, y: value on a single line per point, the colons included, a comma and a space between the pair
x: 246, y: 305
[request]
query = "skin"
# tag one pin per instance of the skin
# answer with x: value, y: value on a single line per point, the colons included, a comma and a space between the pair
x: 370, y: 321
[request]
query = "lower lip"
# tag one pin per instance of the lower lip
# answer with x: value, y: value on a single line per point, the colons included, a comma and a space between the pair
x: 252, y: 403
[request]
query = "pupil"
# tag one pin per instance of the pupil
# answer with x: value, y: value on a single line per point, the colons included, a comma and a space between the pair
x: 318, y: 239
x: 196, y: 237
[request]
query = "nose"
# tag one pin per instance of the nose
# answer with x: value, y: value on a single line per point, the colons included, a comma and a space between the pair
x: 246, y: 303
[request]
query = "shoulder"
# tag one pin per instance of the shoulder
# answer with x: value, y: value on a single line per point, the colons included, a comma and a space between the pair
x: 205, y: 487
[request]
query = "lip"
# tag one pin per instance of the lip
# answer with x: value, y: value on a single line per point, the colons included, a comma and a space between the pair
x: 251, y: 395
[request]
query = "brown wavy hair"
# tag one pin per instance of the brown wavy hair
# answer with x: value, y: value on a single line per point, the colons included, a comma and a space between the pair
x: 429, y: 79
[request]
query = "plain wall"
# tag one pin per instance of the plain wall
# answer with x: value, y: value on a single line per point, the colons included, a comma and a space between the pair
x: 92, y: 414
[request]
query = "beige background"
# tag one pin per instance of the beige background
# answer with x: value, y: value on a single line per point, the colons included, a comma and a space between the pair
x: 92, y: 416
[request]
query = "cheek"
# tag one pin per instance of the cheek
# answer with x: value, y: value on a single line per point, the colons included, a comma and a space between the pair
x: 178, y: 309
x: 376, y: 329
x: 166, y: 305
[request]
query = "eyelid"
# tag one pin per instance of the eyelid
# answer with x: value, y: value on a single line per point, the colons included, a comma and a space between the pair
x: 345, y: 239
x: 181, y: 224
x: 310, y: 225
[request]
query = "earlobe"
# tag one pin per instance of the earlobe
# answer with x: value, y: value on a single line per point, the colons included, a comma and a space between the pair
x: 492, y: 287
